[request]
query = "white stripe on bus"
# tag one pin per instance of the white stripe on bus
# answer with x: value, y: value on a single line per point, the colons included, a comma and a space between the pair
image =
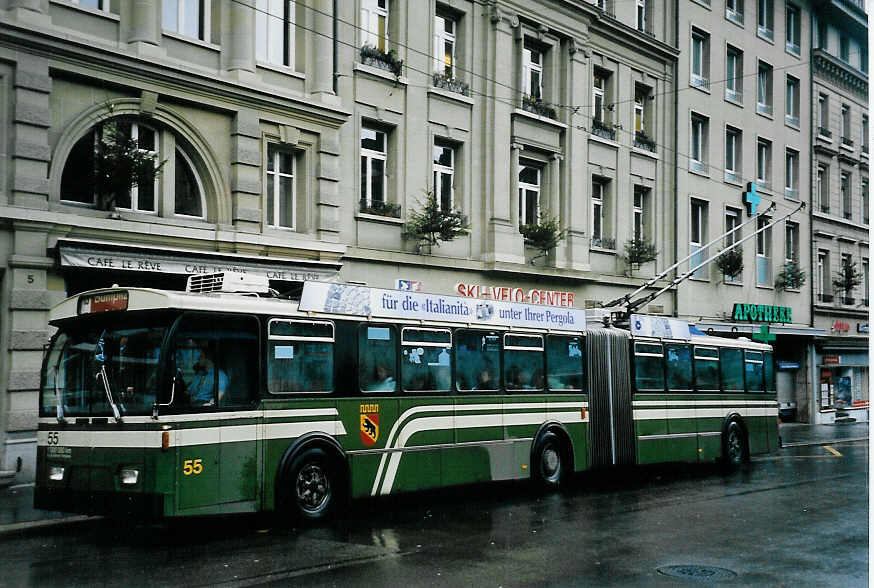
x: 728, y: 402
x: 645, y: 414
x: 210, y: 416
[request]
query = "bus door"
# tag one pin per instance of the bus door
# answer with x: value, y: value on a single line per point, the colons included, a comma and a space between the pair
x: 480, y: 452
x: 650, y: 406
x: 611, y: 424
x: 525, y: 405
x: 565, y: 382
x: 681, y: 404
x: 709, y: 415
x: 754, y: 377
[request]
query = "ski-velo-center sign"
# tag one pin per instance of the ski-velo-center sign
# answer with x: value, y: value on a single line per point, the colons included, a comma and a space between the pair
x: 375, y: 302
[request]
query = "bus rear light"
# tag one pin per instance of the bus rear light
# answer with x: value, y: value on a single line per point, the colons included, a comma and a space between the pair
x: 129, y: 477
x: 165, y: 440
x: 56, y: 473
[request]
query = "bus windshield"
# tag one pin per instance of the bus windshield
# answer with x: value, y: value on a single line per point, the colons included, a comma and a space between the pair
x: 129, y: 356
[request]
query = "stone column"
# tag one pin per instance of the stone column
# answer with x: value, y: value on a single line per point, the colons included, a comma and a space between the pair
x: 322, y: 77
x: 143, y: 22
x: 31, y: 120
x: 238, y: 36
x: 513, y: 192
x: 29, y: 11
x: 246, y: 171
x: 328, y: 185
x: 573, y: 252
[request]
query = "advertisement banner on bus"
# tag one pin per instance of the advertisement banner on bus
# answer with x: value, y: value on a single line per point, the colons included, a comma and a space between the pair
x: 365, y: 301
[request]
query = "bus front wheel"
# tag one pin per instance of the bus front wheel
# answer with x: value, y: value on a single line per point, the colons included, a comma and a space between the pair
x: 312, y: 484
x: 734, y: 445
x: 549, y: 463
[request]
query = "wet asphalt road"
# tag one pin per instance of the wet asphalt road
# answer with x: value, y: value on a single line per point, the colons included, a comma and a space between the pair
x: 796, y: 518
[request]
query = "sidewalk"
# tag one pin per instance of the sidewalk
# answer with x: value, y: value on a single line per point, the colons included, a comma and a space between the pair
x: 17, y: 512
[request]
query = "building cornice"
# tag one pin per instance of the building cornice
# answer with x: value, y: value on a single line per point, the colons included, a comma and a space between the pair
x: 840, y: 73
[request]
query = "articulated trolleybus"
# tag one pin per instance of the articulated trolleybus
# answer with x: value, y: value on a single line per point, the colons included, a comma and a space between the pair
x: 168, y: 404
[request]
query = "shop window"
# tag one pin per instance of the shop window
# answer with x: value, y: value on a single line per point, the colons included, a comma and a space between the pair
x: 377, y: 358
x: 565, y: 362
x: 426, y: 364
x: 678, y: 367
x: 649, y: 374
x: 523, y: 362
x: 300, y: 356
x: 274, y: 32
x: 706, y: 369
x: 477, y: 361
x: 731, y: 369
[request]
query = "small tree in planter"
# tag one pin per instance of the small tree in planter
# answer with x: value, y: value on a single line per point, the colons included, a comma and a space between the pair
x: 848, y: 278
x: 639, y: 252
x: 120, y: 164
x: 376, y: 57
x: 731, y: 262
x: 432, y: 224
x: 791, y: 277
x: 544, y: 235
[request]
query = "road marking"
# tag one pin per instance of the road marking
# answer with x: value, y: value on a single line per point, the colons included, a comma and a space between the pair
x: 833, y: 451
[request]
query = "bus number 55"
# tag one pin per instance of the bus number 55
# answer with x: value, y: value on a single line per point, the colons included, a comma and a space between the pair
x: 192, y: 466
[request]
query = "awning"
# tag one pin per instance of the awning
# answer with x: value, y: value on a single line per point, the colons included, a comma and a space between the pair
x: 745, y: 328
x: 166, y: 260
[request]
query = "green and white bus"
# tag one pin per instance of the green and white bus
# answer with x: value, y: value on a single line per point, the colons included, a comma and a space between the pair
x: 168, y: 404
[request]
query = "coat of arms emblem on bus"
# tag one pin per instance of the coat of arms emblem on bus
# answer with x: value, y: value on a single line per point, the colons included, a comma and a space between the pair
x: 369, y: 423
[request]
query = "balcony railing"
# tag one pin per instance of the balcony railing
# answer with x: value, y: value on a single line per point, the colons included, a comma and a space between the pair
x: 763, y: 108
x: 602, y: 130
x: 731, y: 176
x: 603, y: 242
x: 700, y: 81
x: 734, y: 16
x: 734, y: 95
x: 641, y: 141
x: 697, y: 166
x: 793, y: 120
x: 824, y: 132
x: 765, y: 33
x: 825, y: 297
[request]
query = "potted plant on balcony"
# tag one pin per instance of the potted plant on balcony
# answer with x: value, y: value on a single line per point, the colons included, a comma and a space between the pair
x: 848, y: 278
x: 433, y: 224
x: 447, y: 82
x: 120, y: 164
x: 731, y: 262
x: 376, y: 57
x: 543, y: 235
x: 637, y: 253
x: 380, y: 208
x: 538, y: 106
x: 791, y: 277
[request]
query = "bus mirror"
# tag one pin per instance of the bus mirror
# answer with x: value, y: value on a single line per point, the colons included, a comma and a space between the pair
x: 177, y: 378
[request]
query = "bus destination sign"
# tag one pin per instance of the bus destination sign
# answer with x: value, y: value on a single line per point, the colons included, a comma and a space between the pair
x: 103, y: 302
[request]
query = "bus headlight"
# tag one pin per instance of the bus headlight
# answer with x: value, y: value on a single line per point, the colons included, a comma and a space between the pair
x: 129, y: 477
x: 56, y: 473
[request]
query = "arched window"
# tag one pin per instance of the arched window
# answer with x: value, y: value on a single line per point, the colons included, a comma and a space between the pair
x: 174, y: 190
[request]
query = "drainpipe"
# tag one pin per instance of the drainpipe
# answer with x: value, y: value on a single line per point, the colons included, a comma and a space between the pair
x: 675, y: 294
x: 812, y: 174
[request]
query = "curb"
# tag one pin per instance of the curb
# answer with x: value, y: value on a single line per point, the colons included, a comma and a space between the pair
x: 830, y: 442
x: 27, y: 525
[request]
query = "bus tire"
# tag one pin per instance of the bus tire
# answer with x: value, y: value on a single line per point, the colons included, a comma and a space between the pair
x: 734, y: 445
x: 312, y: 486
x: 549, y: 463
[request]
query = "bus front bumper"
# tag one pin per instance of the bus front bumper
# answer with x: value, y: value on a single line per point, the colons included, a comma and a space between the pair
x: 113, y: 504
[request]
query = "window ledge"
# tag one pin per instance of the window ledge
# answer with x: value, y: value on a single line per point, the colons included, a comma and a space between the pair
x: 450, y: 95
x: 599, y: 139
x: 792, y: 290
x: 602, y: 250
x: 701, y: 280
x: 283, y: 69
x: 764, y: 287
x: 704, y: 173
x: 101, y: 13
x: 192, y: 41
x: 764, y: 114
x: 848, y: 148
x: 389, y: 220
x: 733, y: 282
x: 824, y: 138
x: 796, y: 54
x: 793, y: 126
x: 739, y: 183
x: 537, y: 117
x: 737, y: 103
x: 379, y: 73
x: 645, y: 153
x: 766, y: 35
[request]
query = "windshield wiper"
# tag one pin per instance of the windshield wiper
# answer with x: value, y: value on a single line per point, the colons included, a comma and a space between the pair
x: 100, y: 358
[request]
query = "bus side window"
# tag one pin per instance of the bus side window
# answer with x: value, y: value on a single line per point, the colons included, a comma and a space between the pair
x: 426, y: 361
x: 477, y: 361
x: 649, y: 372
x: 706, y: 369
x: 377, y: 358
x: 565, y: 362
x: 731, y: 369
x: 770, y: 378
x: 679, y: 367
x: 300, y: 356
x: 753, y: 363
x: 523, y: 362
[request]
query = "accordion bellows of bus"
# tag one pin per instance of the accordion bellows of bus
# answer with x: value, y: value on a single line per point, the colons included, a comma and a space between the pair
x: 165, y: 404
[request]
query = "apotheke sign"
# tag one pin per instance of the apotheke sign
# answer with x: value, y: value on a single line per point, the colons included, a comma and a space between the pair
x: 761, y: 313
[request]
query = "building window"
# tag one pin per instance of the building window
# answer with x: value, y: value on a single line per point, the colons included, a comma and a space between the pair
x: 700, y: 77
x: 822, y: 34
x: 822, y: 116
x: 529, y: 194
x: 792, y: 242
x: 765, y: 89
x: 733, y: 150
x: 445, y: 29
x: 866, y: 288
x: 532, y: 71
x: 101, y: 5
x: 374, y: 24
x: 845, y: 126
x: 280, y: 188
x: 793, y: 29
x: 846, y: 196
x: 698, y: 144
x: 844, y: 47
x: 734, y: 67
x: 865, y: 200
x: 791, y: 188
x: 697, y: 237
x: 763, y: 253
x: 601, y: 104
x: 734, y: 11
x: 600, y: 237
x: 822, y: 187
x: 444, y: 174
x: 864, y: 133
x: 793, y: 89
x: 823, y: 274
x: 274, y: 32
x: 639, y: 212
x: 642, y: 16
x: 185, y: 17
x: 846, y: 262
x: 763, y: 164
x: 732, y: 235
x: 177, y: 180
x: 374, y: 158
x: 765, y: 21
x: 643, y: 98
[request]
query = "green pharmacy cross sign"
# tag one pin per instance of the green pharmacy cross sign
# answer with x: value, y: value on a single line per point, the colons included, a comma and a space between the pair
x: 761, y: 313
x: 764, y: 335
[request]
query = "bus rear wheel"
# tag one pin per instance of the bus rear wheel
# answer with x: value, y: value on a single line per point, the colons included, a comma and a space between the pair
x: 312, y: 485
x: 549, y: 462
x: 734, y: 445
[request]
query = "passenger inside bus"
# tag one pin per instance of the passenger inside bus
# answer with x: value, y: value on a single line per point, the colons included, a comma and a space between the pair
x: 485, y: 381
x: 207, y: 381
x: 382, y: 380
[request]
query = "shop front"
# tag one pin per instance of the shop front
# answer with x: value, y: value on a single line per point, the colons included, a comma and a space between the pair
x: 842, y: 393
